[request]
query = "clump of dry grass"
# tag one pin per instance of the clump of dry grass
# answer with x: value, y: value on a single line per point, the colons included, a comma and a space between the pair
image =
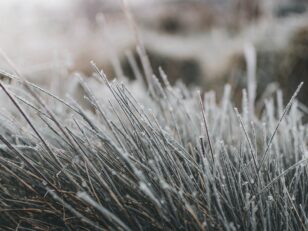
x: 167, y: 162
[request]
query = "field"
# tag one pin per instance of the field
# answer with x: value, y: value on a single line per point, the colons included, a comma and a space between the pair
x: 148, y: 153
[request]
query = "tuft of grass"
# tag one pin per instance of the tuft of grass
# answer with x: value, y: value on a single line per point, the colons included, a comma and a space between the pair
x: 170, y: 161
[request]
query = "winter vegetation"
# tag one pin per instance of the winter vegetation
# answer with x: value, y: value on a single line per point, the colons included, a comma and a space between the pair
x: 165, y: 148
x: 170, y: 158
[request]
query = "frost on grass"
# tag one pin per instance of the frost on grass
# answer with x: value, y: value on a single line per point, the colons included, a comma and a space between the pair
x: 167, y: 161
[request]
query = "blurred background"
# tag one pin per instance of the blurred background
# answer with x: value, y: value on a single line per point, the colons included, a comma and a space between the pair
x: 201, y: 42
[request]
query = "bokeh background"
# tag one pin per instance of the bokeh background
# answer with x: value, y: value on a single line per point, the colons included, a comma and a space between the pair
x: 200, y: 42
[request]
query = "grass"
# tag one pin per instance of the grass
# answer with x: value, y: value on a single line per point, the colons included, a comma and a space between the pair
x: 172, y: 160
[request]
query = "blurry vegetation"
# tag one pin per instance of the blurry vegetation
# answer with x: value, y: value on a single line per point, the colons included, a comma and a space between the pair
x: 200, y: 42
